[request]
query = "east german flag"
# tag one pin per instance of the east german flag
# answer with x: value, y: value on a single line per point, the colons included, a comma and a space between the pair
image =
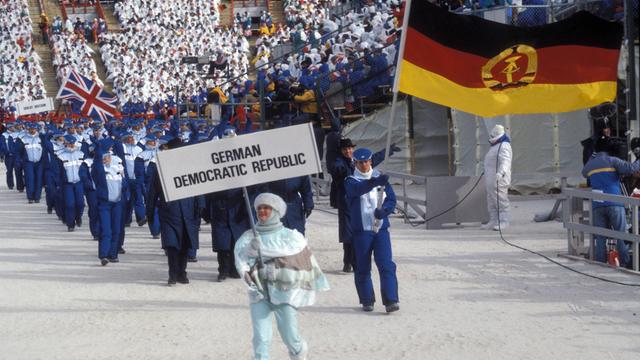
x: 490, y: 69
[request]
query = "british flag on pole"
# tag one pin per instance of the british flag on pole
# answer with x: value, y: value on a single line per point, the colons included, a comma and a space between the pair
x: 94, y: 100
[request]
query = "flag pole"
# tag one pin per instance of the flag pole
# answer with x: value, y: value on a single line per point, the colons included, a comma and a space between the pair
x: 256, y: 236
x: 403, y: 39
x: 396, y: 77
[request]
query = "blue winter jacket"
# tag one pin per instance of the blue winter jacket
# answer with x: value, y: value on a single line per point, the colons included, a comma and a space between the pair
x: 111, y: 183
x: 603, y: 172
x: 362, y: 196
x: 30, y: 147
x: 69, y: 165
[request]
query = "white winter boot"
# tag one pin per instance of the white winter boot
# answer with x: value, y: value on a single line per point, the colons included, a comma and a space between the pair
x: 302, y: 355
x: 504, y: 222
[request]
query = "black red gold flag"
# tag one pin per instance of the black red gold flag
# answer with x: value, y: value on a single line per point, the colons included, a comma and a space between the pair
x: 490, y: 69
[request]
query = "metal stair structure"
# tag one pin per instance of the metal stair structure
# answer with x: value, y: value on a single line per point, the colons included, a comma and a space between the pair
x: 113, y: 24
x: 44, y: 51
x: 226, y: 17
x: 276, y: 8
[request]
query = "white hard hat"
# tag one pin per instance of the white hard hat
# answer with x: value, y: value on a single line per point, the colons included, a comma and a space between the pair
x: 497, y: 131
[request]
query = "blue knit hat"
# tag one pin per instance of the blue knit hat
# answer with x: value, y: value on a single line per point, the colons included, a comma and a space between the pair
x: 362, y: 154
x: 70, y: 139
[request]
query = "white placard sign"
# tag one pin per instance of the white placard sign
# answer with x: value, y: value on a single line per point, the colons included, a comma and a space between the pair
x: 239, y: 161
x: 34, y: 106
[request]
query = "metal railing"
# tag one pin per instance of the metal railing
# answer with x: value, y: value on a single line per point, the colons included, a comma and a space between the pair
x: 535, y: 15
x: 579, y: 222
x: 418, y: 205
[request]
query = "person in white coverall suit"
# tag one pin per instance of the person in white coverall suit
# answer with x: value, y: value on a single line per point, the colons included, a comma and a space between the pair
x: 497, y: 176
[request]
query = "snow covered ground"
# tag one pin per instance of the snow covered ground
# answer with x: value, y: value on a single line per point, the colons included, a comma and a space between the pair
x: 464, y: 295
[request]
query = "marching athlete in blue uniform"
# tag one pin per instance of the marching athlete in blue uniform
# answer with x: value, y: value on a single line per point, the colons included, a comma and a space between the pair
x: 111, y: 183
x: 70, y: 161
x: 370, y: 231
x: 30, y: 152
x: 128, y: 150
x: 51, y: 175
x: 178, y: 224
x: 12, y: 159
x: 142, y: 179
x: 89, y: 188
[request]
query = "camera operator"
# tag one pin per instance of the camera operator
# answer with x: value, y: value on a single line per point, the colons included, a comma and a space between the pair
x: 604, y: 172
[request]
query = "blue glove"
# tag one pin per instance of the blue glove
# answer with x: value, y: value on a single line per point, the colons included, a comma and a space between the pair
x: 379, y: 214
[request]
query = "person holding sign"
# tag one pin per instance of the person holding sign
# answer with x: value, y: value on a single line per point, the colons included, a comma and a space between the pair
x: 141, y: 164
x: 288, y: 280
x: 178, y: 223
x: 362, y: 193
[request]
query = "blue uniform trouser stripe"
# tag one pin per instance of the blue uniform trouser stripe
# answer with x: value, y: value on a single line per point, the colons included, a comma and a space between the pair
x: 9, y: 163
x: 110, y: 226
x: 154, y: 227
x: 50, y: 190
x: 59, y: 204
x: 33, y: 179
x: 134, y: 203
x: 73, y: 203
x: 364, y: 244
x: 94, y: 213
x: 19, y: 173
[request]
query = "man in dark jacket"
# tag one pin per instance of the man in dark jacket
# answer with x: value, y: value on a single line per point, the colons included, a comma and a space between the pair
x: 178, y: 224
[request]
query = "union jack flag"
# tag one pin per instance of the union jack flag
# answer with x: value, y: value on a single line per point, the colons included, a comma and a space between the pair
x: 94, y: 101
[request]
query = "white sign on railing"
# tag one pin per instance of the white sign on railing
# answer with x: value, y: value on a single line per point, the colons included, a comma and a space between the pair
x: 34, y: 106
x: 239, y: 161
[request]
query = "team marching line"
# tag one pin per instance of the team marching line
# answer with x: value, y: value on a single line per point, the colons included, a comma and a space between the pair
x: 112, y: 169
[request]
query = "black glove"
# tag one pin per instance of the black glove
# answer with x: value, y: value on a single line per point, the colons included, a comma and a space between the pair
x: 394, y: 149
x: 307, y: 213
x: 378, y: 214
x: 381, y: 180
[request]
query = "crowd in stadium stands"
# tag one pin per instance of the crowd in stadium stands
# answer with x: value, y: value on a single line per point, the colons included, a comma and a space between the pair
x: 69, y: 50
x: 350, y: 59
x: 145, y: 62
x: 20, y: 71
